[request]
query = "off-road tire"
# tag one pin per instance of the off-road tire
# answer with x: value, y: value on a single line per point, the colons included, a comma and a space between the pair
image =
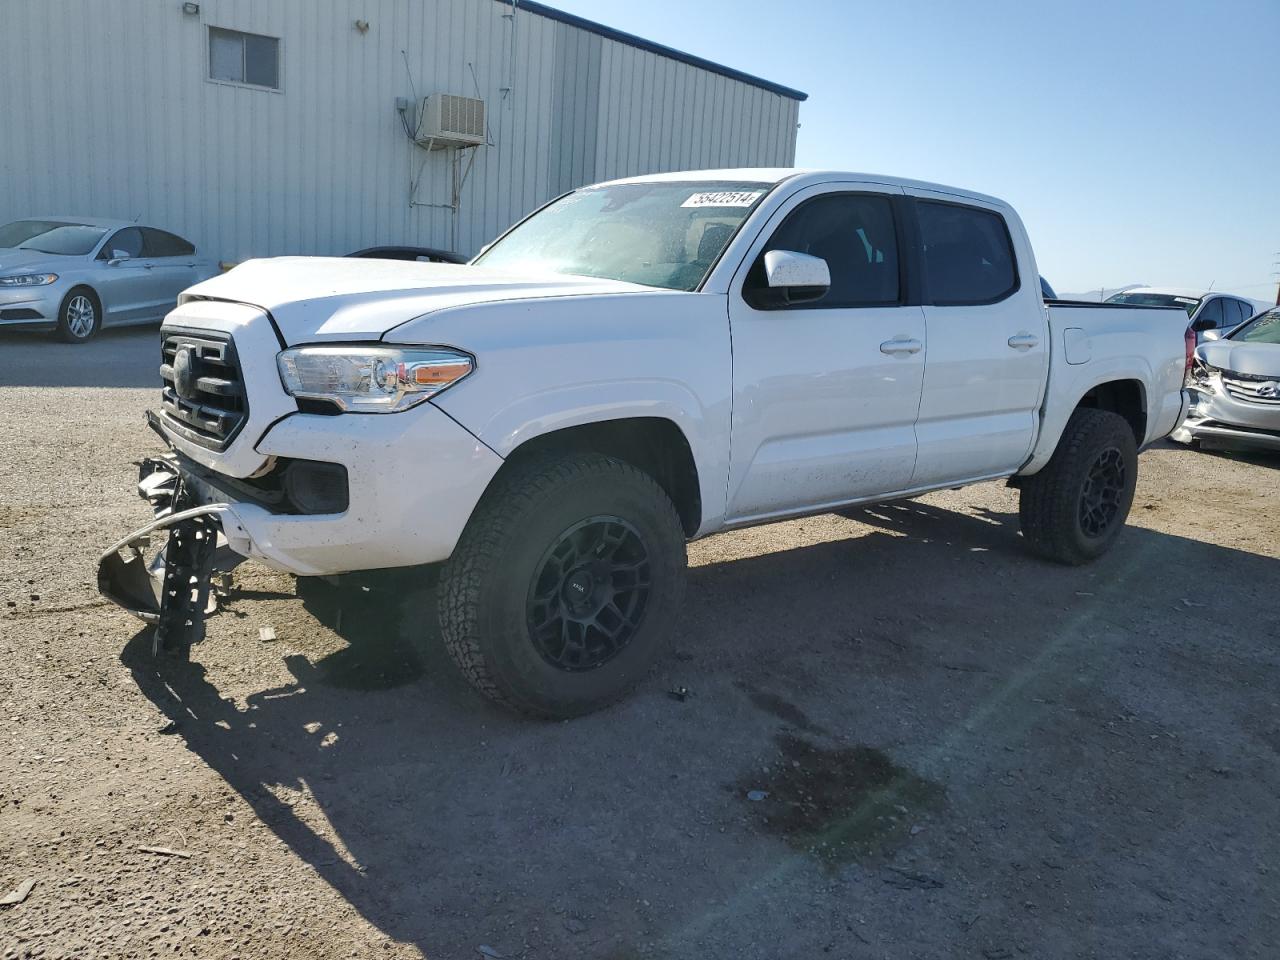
x: 1050, y: 505
x: 64, y: 330
x: 485, y: 585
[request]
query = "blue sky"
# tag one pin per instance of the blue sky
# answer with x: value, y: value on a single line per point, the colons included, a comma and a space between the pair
x: 1139, y: 140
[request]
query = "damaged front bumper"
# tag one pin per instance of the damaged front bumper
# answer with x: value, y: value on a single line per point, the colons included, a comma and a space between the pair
x: 404, y: 487
x: 1224, y: 411
x: 176, y: 588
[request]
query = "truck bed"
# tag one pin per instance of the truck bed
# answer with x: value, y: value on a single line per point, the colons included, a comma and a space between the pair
x: 1095, y: 343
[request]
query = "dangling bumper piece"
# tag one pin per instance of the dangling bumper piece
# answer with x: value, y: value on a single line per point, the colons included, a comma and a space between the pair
x: 173, y: 589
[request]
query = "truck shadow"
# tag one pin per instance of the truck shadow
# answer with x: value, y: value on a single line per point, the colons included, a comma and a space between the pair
x: 448, y: 824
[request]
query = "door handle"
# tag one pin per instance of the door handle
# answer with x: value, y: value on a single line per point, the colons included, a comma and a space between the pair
x: 901, y: 347
x: 1024, y: 341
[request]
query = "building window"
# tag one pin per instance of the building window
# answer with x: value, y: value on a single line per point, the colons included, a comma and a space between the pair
x: 248, y: 58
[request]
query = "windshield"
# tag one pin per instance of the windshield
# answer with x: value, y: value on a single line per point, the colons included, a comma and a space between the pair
x: 51, y: 236
x: 1264, y: 328
x: 656, y: 234
x: 1188, y: 304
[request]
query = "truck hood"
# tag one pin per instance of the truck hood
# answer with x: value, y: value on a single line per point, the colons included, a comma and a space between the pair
x: 1258, y: 359
x: 315, y: 299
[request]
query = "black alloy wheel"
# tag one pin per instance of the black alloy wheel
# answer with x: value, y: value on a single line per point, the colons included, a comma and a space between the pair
x: 1103, y: 494
x: 1073, y: 509
x: 566, y: 584
x: 588, y: 594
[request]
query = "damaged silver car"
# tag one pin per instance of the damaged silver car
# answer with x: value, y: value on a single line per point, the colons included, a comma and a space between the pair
x: 1235, y: 387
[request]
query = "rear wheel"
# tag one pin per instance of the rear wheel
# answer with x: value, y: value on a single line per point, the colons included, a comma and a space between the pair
x: 1073, y: 510
x: 565, y: 585
x: 80, y: 316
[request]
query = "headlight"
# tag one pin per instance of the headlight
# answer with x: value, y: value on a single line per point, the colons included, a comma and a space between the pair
x: 29, y: 280
x: 363, y: 379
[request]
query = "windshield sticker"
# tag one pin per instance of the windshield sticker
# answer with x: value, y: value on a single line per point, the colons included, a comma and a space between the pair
x: 724, y: 198
x: 1185, y: 301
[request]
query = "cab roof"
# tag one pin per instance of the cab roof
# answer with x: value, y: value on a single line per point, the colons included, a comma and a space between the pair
x: 802, y: 177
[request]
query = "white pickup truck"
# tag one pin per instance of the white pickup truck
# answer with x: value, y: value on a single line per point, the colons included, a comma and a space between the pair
x: 635, y: 365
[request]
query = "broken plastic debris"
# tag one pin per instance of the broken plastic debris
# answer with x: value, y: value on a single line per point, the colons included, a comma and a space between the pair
x: 756, y: 796
x: 166, y: 852
x: 16, y: 896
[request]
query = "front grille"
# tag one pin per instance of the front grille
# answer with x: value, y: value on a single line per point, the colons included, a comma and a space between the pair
x: 1244, y: 386
x: 203, y: 397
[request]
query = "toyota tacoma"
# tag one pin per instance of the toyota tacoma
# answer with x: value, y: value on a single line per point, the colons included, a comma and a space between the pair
x: 635, y: 365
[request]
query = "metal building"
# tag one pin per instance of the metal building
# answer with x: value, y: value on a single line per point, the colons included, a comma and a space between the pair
x: 321, y: 126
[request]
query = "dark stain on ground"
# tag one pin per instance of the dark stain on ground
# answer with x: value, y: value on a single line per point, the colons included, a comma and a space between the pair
x: 782, y: 709
x: 850, y: 803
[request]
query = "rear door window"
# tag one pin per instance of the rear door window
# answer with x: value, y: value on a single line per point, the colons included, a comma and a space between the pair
x: 967, y: 253
x: 1243, y: 312
x: 1230, y: 313
x: 160, y: 243
x: 856, y: 235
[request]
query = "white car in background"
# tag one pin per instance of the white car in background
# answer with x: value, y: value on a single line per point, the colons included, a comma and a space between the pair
x: 75, y: 275
x: 1206, y: 310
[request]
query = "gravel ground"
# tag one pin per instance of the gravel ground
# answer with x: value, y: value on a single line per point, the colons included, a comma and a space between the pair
x: 955, y: 750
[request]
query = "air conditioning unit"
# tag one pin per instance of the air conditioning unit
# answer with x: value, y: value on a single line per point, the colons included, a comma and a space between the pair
x: 448, y: 121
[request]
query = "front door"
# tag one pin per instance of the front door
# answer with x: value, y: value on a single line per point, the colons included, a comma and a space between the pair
x: 988, y: 343
x: 125, y: 283
x: 825, y: 394
x: 1210, y: 316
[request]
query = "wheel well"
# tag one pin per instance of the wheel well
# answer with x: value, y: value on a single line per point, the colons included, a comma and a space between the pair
x: 653, y: 444
x: 1125, y: 397
x: 97, y: 300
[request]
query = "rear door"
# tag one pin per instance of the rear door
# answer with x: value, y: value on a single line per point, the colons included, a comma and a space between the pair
x: 172, y: 262
x: 825, y: 394
x: 988, y: 342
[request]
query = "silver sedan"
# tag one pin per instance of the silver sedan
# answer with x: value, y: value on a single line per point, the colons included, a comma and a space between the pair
x: 1235, y: 387
x: 76, y: 275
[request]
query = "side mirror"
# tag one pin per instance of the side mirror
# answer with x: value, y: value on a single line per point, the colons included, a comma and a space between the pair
x: 798, y: 277
x: 1204, y: 324
x: 119, y: 255
x: 1213, y: 335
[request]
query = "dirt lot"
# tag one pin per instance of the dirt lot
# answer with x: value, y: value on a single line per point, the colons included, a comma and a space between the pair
x: 963, y: 752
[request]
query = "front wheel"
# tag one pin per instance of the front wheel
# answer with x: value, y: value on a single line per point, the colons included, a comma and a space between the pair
x: 79, y: 317
x: 565, y: 585
x: 1073, y: 510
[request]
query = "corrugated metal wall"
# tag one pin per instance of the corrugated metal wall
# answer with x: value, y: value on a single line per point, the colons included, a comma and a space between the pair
x: 123, y: 122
